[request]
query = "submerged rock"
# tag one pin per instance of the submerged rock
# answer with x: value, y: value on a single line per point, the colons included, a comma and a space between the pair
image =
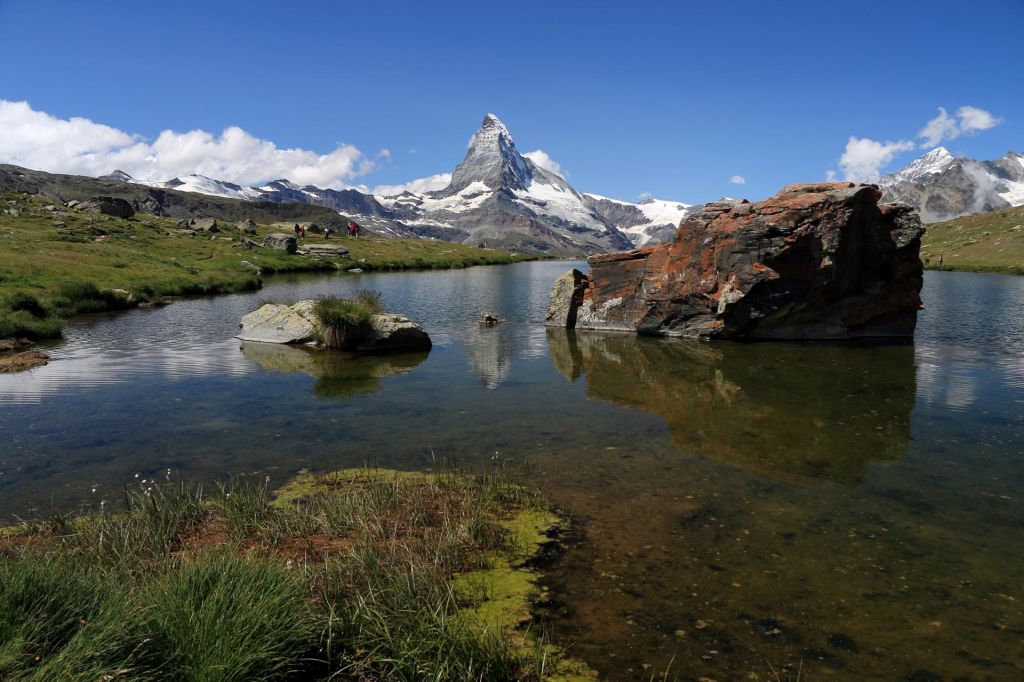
x: 818, y: 261
x: 20, y: 362
x: 490, y: 318
x: 298, y: 323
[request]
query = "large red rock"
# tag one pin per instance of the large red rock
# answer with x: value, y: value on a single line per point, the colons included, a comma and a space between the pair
x: 817, y: 261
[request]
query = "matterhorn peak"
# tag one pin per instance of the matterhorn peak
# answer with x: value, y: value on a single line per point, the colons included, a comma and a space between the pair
x: 492, y: 159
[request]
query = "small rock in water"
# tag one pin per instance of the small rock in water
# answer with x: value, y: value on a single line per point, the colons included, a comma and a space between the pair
x: 489, y: 318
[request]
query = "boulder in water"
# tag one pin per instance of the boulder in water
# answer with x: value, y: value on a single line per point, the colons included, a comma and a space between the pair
x: 820, y: 261
x: 566, y: 297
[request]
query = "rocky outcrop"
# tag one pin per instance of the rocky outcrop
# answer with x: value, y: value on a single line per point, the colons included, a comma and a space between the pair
x: 566, y: 298
x: 817, y: 261
x: 323, y: 251
x: 247, y: 226
x: 118, y: 208
x: 298, y: 323
x: 281, y: 242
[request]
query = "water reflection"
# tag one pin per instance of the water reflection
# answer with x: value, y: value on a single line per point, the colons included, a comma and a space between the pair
x: 490, y: 355
x: 338, y: 375
x: 814, y: 412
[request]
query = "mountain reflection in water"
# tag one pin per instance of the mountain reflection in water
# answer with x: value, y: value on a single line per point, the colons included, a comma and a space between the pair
x: 803, y: 411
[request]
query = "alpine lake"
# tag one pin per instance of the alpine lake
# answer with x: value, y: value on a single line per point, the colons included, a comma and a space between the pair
x: 768, y: 511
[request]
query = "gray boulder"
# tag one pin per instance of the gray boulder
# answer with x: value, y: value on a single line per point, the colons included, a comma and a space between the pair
x: 392, y: 334
x: 247, y: 226
x: 323, y: 251
x: 279, y: 323
x: 566, y: 297
x: 281, y: 242
x: 207, y: 225
x: 118, y: 208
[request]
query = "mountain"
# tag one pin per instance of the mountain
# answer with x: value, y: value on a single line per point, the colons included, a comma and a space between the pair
x: 496, y: 197
x: 501, y: 199
x: 652, y: 221
x: 941, y: 186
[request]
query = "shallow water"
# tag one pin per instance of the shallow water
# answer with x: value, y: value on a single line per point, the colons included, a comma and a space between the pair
x: 854, y: 513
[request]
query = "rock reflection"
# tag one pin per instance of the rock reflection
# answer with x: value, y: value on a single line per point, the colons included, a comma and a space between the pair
x: 490, y: 354
x: 793, y: 411
x: 338, y: 375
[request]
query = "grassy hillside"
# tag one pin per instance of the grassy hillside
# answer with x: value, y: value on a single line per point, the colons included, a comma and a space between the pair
x: 61, y: 188
x: 57, y: 262
x: 983, y: 242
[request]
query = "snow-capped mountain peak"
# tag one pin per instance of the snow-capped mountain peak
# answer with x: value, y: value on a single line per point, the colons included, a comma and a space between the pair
x: 941, y: 186
x: 492, y: 158
x: 934, y: 162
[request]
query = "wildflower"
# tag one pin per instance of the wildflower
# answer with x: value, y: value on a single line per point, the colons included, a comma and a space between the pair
x: 94, y: 490
x: 136, y: 475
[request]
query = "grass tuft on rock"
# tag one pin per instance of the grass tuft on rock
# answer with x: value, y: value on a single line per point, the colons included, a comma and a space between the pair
x: 344, y: 322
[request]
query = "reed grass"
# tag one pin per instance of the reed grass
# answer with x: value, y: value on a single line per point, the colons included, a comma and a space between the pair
x: 343, y: 576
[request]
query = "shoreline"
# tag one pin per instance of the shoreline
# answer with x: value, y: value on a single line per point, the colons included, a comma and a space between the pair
x: 358, y: 572
x: 57, y: 263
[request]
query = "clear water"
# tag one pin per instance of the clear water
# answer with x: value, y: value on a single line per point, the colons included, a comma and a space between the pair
x: 844, y: 512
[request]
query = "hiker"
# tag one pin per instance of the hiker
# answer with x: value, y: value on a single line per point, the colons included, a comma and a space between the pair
x: 353, y: 228
x: 302, y: 232
x: 297, y: 230
x: 940, y: 259
x: 327, y: 233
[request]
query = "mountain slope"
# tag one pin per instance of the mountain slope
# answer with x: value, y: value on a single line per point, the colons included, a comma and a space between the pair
x: 941, y: 186
x: 983, y: 242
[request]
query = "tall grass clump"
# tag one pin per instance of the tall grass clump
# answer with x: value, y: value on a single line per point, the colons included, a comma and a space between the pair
x: 351, y: 575
x: 229, y: 618
x: 344, y: 322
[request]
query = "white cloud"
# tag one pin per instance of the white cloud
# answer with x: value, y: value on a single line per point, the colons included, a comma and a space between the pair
x: 38, y: 140
x: 646, y: 195
x: 540, y: 157
x: 944, y: 127
x: 433, y: 183
x: 830, y: 175
x: 973, y: 119
x: 864, y: 158
x: 738, y: 180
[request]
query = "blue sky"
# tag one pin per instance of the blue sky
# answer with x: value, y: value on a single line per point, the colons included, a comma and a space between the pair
x: 671, y: 99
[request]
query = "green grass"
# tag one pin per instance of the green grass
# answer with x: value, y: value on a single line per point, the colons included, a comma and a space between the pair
x: 58, y: 263
x: 344, y: 322
x: 982, y: 242
x: 352, y: 575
